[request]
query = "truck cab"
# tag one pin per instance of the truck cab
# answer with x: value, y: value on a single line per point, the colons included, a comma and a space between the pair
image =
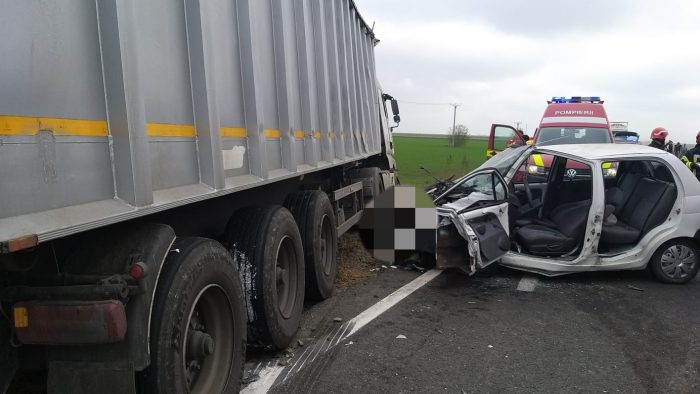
x: 574, y: 120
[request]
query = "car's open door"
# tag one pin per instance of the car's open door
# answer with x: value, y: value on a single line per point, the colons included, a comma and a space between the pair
x: 473, y: 230
x: 503, y: 137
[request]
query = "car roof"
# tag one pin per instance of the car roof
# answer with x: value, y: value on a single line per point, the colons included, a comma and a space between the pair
x: 604, y: 151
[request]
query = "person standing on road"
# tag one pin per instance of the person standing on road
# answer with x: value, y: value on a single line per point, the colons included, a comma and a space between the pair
x: 658, y: 138
x: 692, y: 157
x: 677, y: 149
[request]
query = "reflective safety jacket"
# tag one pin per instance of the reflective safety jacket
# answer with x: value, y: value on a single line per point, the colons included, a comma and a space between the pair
x: 691, y: 159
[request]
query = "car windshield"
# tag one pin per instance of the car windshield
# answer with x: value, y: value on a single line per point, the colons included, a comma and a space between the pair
x: 572, y: 135
x: 504, y: 160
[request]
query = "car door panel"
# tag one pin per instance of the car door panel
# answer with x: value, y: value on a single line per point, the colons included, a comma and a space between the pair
x: 493, y: 238
x: 488, y: 225
x: 502, y: 137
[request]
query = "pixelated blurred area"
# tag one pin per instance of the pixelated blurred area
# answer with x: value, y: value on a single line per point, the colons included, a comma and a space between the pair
x: 395, y: 230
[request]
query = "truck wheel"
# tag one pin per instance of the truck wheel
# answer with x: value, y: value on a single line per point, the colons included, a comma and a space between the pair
x: 371, y: 181
x: 676, y: 261
x: 266, y: 244
x: 314, y: 215
x: 198, y: 331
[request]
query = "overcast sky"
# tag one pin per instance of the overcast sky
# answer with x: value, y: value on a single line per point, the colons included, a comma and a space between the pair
x: 503, y: 59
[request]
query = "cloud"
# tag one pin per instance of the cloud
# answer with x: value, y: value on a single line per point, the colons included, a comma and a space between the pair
x: 503, y: 59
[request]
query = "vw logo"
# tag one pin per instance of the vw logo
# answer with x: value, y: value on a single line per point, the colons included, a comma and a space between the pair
x: 571, y: 173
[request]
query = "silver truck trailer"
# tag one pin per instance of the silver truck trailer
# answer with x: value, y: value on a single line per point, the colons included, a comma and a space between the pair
x: 173, y: 179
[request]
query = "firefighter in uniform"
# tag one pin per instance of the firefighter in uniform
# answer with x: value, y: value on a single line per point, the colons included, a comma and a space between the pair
x: 658, y: 138
x: 691, y: 158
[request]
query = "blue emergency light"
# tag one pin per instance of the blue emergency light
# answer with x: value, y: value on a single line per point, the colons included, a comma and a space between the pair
x: 575, y: 99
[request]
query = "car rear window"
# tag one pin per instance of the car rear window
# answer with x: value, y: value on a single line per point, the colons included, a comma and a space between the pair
x: 572, y: 135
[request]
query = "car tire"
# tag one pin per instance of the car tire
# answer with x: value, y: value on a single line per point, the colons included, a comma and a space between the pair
x: 266, y: 244
x: 676, y: 261
x: 315, y: 218
x: 198, y: 330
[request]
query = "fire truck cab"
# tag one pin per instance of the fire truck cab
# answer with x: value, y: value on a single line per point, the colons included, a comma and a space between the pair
x: 574, y: 120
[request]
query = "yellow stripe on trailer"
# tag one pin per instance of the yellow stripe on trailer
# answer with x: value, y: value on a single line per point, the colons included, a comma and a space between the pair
x: 30, y: 125
x: 272, y: 133
x: 298, y: 134
x: 538, y: 160
x: 233, y: 132
x: 169, y: 130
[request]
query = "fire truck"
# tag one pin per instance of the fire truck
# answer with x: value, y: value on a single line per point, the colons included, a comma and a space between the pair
x: 566, y: 120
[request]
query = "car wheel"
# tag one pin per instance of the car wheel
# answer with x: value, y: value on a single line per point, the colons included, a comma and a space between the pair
x: 676, y: 261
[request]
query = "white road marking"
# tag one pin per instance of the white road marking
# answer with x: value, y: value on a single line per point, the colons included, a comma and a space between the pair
x: 392, y: 299
x: 270, y: 373
x: 527, y: 283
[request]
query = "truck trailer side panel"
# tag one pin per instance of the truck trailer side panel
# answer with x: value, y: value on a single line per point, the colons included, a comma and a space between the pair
x: 112, y: 110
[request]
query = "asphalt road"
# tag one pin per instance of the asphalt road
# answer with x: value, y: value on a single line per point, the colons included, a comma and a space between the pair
x: 601, y: 332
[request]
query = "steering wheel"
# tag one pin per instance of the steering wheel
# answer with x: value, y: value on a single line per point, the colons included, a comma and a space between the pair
x: 528, y: 191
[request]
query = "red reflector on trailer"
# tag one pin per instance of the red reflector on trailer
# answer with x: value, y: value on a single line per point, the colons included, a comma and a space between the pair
x: 69, y: 322
x: 17, y: 244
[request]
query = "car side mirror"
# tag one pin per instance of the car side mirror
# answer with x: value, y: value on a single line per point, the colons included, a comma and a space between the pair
x: 397, y: 119
x: 395, y: 108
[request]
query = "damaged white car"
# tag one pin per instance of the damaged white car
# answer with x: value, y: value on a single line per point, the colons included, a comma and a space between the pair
x: 576, y: 215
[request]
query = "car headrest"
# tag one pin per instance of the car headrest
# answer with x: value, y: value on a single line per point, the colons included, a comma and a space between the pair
x: 614, y: 196
x: 662, y: 173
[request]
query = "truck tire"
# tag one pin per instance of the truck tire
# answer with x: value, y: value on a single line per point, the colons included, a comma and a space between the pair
x: 371, y: 178
x: 314, y: 215
x: 676, y: 261
x: 198, y: 331
x: 266, y: 244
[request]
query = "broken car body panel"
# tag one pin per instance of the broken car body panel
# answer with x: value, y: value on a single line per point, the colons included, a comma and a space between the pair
x: 683, y: 220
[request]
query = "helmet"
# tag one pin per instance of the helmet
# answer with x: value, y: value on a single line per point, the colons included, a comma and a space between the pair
x: 659, y: 133
x: 697, y: 138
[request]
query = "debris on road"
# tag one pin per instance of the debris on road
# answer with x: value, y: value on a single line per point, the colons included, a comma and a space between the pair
x: 355, y: 263
x: 635, y: 288
x: 337, y: 319
x: 401, y: 336
x: 349, y: 343
x: 300, y: 343
x: 490, y: 346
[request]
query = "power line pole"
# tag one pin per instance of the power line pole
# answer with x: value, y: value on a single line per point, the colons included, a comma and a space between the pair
x: 454, y: 120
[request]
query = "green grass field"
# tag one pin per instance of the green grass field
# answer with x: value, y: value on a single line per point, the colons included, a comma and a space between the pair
x: 435, y: 154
